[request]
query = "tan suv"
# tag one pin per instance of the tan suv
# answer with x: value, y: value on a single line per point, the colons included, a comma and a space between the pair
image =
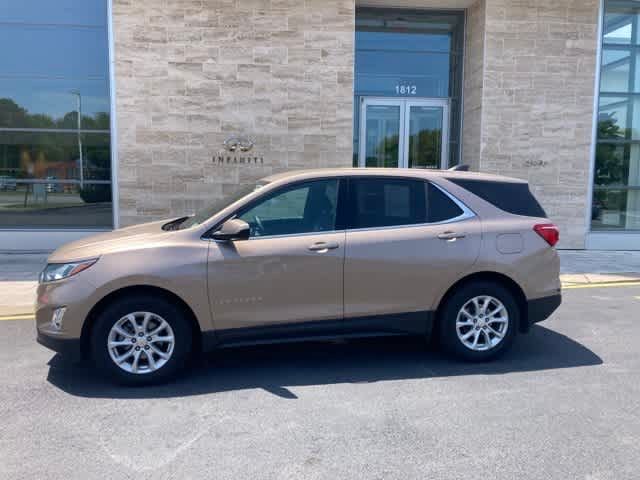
x: 309, y: 255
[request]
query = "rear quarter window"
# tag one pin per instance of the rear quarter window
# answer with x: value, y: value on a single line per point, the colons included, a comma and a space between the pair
x: 515, y: 198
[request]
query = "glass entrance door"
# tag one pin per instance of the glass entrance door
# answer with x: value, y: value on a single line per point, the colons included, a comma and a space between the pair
x: 406, y: 133
x: 383, y: 121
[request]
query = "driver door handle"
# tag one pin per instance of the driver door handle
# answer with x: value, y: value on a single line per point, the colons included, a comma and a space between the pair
x: 323, y: 247
x: 450, y: 236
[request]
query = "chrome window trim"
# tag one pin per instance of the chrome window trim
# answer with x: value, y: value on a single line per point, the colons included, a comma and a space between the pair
x: 457, y: 219
x: 289, y: 235
x: 466, y: 214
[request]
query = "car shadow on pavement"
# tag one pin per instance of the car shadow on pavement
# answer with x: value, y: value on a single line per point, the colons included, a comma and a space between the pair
x: 274, y: 368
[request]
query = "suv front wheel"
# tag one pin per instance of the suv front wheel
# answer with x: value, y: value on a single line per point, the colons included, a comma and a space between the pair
x: 479, y: 321
x: 140, y: 340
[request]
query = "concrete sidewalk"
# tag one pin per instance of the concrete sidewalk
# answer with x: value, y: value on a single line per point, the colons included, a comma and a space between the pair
x: 19, y: 274
x: 18, y: 282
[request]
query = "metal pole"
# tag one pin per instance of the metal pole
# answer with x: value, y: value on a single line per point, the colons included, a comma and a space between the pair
x: 79, y: 95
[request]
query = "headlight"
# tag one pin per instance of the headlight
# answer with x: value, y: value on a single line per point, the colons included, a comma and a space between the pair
x: 58, y: 271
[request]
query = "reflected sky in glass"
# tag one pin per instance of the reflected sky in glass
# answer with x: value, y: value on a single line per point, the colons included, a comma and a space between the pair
x: 56, y: 47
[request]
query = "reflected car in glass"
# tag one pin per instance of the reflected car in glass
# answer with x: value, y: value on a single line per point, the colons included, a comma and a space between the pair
x: 464, y: 257
x: 8, y: 184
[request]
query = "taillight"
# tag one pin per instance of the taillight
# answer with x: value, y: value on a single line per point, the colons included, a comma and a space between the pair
x: 548, y: 231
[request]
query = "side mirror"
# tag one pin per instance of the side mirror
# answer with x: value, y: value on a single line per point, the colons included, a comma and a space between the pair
x: 234, y: 229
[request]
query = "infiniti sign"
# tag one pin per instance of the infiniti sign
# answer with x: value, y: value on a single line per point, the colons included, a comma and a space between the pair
x: 242, y: 144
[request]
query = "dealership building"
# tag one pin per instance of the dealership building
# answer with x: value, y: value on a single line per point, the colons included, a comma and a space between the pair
x: 115, y: 112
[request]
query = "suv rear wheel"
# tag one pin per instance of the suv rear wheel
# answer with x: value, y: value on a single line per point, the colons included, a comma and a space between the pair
x: 141, y: 340
x: 479, y: 321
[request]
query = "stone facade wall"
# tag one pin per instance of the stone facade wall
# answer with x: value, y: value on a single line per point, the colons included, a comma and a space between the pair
x: 473, y: 83
x: 192, y: 73
x: 537, y: 102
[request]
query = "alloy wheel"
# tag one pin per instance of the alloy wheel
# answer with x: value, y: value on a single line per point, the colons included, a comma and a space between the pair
x: 482, y: 323
x: 141, y: 342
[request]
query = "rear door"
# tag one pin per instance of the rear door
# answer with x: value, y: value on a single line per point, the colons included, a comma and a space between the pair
x: 406, y: 240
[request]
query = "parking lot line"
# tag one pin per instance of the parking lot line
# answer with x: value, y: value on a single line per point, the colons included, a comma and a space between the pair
x: 23, y: 316
x: 600, y: 285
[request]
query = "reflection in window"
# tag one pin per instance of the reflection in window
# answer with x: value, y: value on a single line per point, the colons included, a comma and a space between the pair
x: 388, y: 202
x: 55, y: 149
x: 308, y: 208
x: 383, y: 136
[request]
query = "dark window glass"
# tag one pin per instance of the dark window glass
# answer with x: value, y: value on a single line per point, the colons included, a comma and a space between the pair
x: 404, y: 68
x: 407, y: 47
x: 616, y: 196
x: 381, y: 202
x: 409, y: 54
x: 512, y: 197
x: 439, y: 206
x: 35, y: 155
x: 305, y: 208
x: 53, y: 103
x: 65, y: 12
x: 55, y: 148
x: 53, y: 51
x: 41, y: 185
x: 615, y: 209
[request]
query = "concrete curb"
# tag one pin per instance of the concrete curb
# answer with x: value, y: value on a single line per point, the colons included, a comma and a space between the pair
x: 588, y: 278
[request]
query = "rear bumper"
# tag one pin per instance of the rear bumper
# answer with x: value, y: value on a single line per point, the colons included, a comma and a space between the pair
x: 68, y: 347
x: 540, y: 309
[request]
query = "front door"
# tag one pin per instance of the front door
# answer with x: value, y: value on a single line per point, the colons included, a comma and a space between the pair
x: 405, y: 133
x: 290, y: 269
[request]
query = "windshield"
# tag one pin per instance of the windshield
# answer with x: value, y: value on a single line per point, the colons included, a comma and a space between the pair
x: 220, y: 204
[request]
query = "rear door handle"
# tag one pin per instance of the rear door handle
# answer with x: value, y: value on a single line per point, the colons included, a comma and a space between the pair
x: 450, y: 236
x: 322, y: 247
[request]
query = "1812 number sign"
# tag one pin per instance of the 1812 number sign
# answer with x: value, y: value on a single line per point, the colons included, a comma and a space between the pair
x: 406, y: 90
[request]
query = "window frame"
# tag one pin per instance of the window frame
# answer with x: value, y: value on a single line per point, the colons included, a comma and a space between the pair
x: 350, y: 206
x: 627, y: 99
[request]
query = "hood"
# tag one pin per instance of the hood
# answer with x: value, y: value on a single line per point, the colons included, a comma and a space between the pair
x: 145, y: 234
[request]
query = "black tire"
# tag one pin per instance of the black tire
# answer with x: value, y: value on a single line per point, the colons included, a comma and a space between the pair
x: 160, y: 306
x: 449, y: 338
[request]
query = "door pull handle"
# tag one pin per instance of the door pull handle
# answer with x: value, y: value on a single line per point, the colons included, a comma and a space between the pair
x: 322, y: 247
x: 451, y: 236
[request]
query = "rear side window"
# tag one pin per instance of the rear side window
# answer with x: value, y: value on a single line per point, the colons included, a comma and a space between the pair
x: 387, y: 202
x: 384, y: 202
x: 515, y: 198
x: 440, y: 207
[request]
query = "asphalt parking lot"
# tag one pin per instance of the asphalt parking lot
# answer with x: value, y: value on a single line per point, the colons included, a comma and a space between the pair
x: 563, y: 404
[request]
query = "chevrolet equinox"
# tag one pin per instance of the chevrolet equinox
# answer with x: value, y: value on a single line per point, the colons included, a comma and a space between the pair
x: 466, y: 257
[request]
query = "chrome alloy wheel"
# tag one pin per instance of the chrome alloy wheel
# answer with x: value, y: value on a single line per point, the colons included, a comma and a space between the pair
x: 141, y: 342
x: 482, y: 323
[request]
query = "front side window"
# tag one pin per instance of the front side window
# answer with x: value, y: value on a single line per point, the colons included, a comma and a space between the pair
x: 305, y: 208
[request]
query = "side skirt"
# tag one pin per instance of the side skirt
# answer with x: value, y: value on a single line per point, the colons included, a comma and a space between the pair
x: 414, y: 323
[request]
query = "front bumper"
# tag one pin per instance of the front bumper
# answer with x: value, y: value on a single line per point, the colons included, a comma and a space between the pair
x: 68, y: 347
x: 540, y: 309
x: 75, y: 295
